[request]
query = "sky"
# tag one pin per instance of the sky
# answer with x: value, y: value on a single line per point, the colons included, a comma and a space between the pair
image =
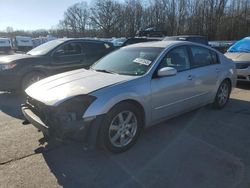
x: 32, y: 14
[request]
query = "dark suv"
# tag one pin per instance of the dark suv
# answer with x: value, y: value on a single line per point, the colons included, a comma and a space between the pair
x: 21, y: 70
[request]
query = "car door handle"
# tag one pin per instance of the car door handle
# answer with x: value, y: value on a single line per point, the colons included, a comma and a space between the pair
x: 190, y: 77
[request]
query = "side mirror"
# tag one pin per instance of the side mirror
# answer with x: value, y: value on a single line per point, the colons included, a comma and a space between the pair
x: 59, y: 53
x: 167, y: 71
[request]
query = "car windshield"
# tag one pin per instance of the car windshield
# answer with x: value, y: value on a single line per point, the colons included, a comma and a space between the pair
x: 241, y: 46
x: 45, y: 48
x: 128, y: 61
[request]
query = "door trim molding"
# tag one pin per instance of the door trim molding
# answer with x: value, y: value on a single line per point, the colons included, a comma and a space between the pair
x: 182, y: 100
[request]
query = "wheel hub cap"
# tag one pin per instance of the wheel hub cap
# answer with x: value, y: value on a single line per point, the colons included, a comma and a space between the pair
x: 123, y: 129
x: 223, y: 94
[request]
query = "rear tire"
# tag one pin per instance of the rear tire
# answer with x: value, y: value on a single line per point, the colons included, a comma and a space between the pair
x: 222, y: 95
x: 31, y: 78
x: 121, y: 128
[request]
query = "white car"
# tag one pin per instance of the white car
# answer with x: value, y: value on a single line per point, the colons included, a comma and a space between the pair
x: 240, y: 54
x: 5, y: 45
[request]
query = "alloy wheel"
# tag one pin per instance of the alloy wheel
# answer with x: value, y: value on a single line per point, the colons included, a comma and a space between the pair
x: 123, y: 129
x: 223, y: 94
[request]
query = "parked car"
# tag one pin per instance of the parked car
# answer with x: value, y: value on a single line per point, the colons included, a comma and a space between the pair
x: 221, y: 46
x: 150, y: 32
x: 5, y: 46
x: 135, y: 40
x: 190, y: 38
x: 21, y: 70
x: 41, y: 40
x: 23, y: 44
x: 240, y: 54
x: 134, y: 87
x: 118, y: 42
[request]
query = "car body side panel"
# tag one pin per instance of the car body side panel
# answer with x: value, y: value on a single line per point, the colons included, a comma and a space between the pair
x: 139, y: 91
x: 171, y: 94
x: 228, y: 70
x: 204, y: 80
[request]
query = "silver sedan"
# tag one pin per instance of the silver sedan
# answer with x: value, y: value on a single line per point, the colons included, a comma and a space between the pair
x: 132, y: 88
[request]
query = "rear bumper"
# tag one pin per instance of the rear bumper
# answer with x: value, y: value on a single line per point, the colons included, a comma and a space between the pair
x: 86, y: 131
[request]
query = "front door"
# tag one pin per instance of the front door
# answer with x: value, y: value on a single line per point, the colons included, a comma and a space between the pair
x: 173, y: 94
x: 68, y: 57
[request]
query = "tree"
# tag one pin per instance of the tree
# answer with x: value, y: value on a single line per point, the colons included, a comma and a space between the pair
x: 76, y: 19
x: 106, y: 15
x: 217, y: 19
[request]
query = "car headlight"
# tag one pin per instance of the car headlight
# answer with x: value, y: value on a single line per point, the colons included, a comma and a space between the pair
x: 74, y: 108
x: 7, y: 66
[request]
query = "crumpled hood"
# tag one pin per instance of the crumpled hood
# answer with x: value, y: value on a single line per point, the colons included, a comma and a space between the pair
x: 238, y: 56
x: 56, y: 89
x: 11, y: 58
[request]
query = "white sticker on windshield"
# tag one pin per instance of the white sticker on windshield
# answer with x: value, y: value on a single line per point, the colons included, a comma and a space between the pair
x: 142, y: 61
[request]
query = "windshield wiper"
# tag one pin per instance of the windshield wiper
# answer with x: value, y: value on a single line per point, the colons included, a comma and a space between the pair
x: 104, y: 70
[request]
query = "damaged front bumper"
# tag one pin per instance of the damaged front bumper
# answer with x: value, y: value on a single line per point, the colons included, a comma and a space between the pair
x: 61, y: 126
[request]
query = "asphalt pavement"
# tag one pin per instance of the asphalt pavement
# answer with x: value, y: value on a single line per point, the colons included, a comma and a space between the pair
x: 205, y: 148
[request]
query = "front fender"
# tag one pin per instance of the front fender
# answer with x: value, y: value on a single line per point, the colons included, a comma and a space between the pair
x: 114, y: 95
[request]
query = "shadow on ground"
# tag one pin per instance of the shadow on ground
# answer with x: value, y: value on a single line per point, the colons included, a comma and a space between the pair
x: 73, y: 166
x: 205, y: 148
x: 10, y: 104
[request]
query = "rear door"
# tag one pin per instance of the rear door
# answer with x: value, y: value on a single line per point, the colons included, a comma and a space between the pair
x: 205, y: 69
x: 93, y: 51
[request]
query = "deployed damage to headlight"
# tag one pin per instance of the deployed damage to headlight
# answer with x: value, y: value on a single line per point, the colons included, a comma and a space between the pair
x: 74, y: 108
x: 70, y: 110
x: 64, y: 117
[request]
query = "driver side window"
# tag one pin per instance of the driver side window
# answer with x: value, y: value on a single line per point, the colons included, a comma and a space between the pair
x: 177, y: 58
x: 69, y: 49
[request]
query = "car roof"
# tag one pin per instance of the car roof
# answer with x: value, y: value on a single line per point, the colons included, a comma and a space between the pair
x: 186, y: 36
x: 157, y: 44
x: 165, y: 44
x: 81, y: 39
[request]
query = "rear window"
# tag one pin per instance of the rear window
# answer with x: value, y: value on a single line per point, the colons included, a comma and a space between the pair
x: 94, y: 47
x: 215, y: 58
x: 203, y: 57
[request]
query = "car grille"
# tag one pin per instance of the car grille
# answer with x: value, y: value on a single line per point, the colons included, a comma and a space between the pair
x: 242, y: 65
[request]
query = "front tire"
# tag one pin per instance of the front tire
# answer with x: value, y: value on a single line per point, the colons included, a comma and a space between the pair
x: 121, y: 128
x: 222, y: 95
